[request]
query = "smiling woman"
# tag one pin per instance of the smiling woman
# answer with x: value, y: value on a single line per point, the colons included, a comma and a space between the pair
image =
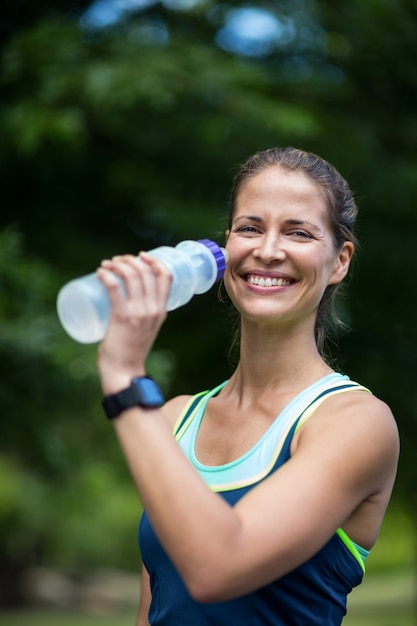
x: 318, y: 177
x: 262, y: 496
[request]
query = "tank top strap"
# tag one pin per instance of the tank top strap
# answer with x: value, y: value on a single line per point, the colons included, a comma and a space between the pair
x: 343, y: 387
x: 192, y: 408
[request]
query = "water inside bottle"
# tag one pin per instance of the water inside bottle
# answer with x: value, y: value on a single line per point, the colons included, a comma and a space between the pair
x: 80, y: 315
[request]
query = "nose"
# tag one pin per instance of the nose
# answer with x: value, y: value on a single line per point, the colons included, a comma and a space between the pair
x: 270, y: 249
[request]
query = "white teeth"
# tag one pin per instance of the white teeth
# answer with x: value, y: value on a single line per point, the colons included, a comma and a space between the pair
x: 267, y: 282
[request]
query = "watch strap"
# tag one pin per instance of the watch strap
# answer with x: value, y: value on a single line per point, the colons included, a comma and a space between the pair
x: 143, y: 391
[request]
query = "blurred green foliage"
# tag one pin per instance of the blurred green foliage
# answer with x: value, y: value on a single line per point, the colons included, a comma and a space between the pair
x: 121, y: 138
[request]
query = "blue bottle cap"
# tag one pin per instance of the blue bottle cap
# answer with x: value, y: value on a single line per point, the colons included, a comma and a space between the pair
x: 218, y: 254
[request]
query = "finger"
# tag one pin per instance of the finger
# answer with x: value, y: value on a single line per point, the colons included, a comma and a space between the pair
x: 112, y: 283
x: 161, y: 271
x: 132, y: 277
x: 145, y: 278
x: 141, y: 281
x: 132, y: 282
x: 156, y: 278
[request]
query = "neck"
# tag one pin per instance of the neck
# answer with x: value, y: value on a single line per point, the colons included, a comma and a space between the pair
x: 286, y: 359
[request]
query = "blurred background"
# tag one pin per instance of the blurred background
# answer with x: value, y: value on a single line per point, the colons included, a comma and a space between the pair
x: 122, y: 125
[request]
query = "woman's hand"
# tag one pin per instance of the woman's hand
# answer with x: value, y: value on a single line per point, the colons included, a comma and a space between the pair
x: 137, y: 313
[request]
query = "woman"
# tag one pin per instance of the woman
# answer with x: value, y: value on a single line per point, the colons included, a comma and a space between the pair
x: 265, y: 511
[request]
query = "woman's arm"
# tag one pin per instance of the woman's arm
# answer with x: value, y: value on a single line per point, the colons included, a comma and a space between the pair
x: 144, y: 599
x: 222, y: 552
x: 345, y: 455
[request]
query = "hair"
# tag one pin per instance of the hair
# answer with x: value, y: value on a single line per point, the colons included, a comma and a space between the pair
x: 342, y: 212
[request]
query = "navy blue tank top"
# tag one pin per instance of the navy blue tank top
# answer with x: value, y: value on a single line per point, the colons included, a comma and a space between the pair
x: 315, y: 593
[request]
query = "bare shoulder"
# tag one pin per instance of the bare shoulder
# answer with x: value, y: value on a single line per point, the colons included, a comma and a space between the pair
x: 372, y: 420
x: 357, y: 411
x: 174, y: 407
x: 367, y: 413
x: 356, y: 426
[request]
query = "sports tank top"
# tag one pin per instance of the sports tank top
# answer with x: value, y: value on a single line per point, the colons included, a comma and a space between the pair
x: 315, y: 593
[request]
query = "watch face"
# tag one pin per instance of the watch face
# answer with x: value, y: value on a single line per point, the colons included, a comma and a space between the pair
x: 149, y: 391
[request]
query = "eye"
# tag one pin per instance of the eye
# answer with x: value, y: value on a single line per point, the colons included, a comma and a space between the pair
x: 301, y: 234
x: 247, y: 230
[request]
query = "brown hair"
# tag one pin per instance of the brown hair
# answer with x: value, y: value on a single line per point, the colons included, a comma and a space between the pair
x: 342, y: 212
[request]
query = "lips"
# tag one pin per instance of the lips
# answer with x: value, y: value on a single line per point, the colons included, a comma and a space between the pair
x: 268, y: 281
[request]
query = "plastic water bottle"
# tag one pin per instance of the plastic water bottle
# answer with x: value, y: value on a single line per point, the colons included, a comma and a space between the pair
x: 83, y: 304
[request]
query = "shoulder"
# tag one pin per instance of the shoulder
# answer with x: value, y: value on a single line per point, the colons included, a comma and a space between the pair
x: 363, y: 413
x: 173, y: 408
x: 356, y: 427
x: 358, y: 411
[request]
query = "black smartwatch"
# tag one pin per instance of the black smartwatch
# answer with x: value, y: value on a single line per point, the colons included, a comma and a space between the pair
x: 143, y: 392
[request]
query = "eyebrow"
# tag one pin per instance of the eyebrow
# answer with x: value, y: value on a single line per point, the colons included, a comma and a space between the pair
x: 293, y: 222
x: 253, y: 218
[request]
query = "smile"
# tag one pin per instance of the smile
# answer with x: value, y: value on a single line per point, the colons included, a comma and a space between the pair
x: 267, y: 281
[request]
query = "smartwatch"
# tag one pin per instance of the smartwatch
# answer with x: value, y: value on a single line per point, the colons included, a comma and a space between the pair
x: 143, y: 392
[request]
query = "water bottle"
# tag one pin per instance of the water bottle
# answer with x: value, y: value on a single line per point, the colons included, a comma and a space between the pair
x: 83, y: 304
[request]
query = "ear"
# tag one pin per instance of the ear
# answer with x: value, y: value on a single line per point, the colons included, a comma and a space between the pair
x: 342, y: 263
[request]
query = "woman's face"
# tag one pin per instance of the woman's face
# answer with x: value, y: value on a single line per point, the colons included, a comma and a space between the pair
x: 281, y: 249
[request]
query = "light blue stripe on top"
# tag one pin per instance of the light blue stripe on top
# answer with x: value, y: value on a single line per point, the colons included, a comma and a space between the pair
x: 362, y: 551
x: 355, y: 549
